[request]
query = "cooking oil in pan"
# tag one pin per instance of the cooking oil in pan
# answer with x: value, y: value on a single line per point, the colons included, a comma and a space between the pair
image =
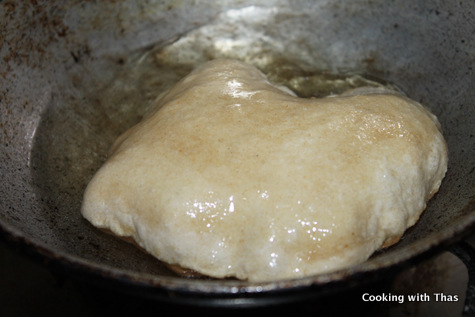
x: 304, y: 83
x: 144, y: 75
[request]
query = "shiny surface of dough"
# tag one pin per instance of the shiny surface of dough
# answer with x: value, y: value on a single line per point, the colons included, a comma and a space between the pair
x: 231, y: 176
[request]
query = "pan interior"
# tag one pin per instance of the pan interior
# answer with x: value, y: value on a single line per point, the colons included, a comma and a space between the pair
x: 72, y: 142
x: 97, y: 89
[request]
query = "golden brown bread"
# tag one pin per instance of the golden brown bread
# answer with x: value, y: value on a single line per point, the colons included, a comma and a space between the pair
x: 231, y: 176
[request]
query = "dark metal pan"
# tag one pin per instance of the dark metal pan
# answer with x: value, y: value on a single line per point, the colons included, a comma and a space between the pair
x: 62, y: 105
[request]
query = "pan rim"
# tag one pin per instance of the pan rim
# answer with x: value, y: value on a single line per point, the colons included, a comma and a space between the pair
x: 397, y: 259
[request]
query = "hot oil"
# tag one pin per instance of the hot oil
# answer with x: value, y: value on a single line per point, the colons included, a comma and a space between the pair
x: 146, y: 74
x: 318, y: 84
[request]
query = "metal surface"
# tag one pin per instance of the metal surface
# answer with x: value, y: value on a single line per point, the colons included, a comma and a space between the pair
x: 64, y: 98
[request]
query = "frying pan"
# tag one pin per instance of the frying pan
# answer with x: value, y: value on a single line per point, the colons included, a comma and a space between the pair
x: 67, y: 90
